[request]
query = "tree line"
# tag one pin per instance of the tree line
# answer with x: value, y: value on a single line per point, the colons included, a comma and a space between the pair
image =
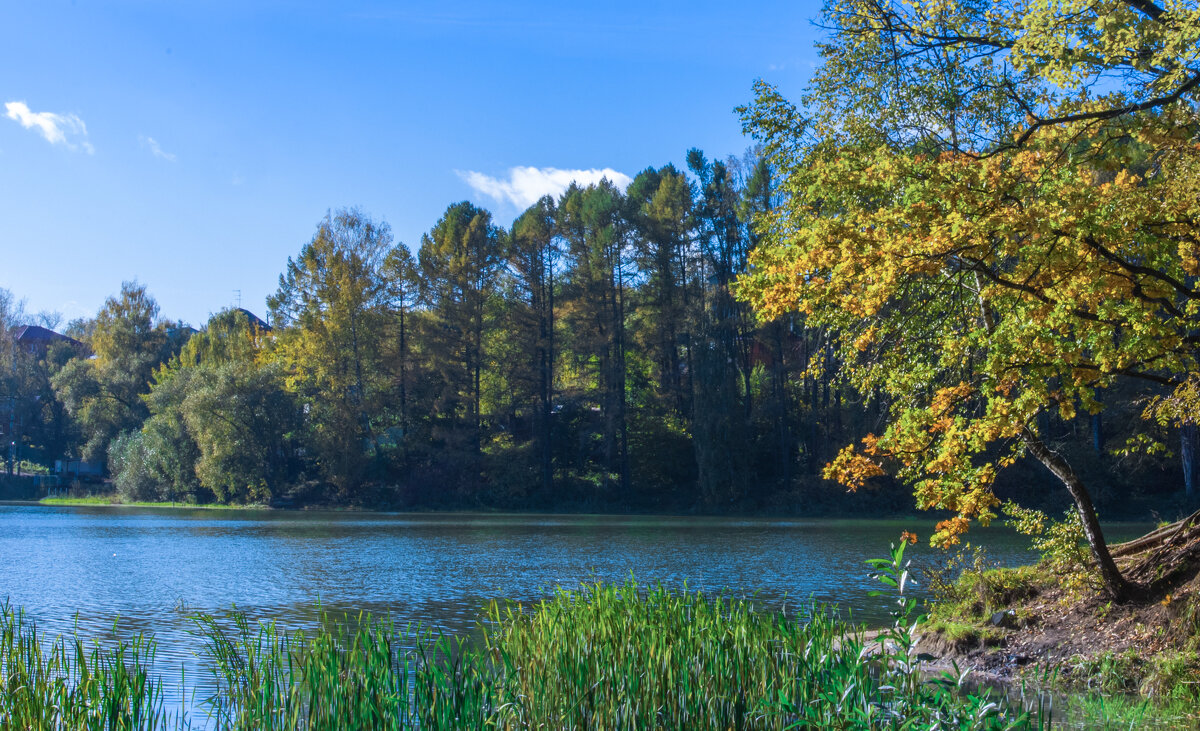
x: 592, y: 354
x: 599, y: 353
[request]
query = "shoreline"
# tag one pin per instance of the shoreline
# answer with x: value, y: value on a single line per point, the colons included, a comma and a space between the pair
x: 112, y: 502
x: 106, y: 503
x: 834, y: 517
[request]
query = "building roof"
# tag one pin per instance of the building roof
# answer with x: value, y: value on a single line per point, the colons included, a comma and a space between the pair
x: 37, y: 335
x: 255, y: 320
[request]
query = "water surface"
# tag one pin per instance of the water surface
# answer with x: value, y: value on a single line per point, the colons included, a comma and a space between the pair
x: 149, y: 569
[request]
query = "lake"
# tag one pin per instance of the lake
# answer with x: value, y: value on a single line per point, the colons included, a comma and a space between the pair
x: 149, y: 569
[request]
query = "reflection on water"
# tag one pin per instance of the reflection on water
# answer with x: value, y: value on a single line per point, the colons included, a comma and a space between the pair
x: 152, y: 568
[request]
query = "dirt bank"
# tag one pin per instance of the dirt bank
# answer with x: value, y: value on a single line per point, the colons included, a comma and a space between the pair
x: 1006, y: 621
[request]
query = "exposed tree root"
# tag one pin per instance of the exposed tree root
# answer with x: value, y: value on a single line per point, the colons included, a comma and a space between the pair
x: 1031, y: 617
x: 1165, y: 557
x: 1152, y: 538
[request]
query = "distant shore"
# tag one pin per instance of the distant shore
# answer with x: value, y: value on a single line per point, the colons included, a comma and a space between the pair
x: 115, y: 502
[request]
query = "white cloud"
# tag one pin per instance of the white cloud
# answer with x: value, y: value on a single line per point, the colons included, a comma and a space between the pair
x: 156, y: 149
x: 67, y: 130
x: 525, y: 185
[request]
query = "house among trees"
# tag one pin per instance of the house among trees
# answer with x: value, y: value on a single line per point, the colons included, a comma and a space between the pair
x: 78, y: 469
x: 36, y: 340
x: 181, y: 333
x: 256, y: 322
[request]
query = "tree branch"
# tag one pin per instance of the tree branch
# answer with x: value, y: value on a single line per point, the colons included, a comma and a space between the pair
x: 1146, y: 7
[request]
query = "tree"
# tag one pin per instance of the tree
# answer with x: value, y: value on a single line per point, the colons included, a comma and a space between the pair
x: 974, y: 218
x: 159, y: 461
x: 244, y: 424
x: 332, y: 310
x: 220, y: 425
x: 404, y: 281
x: 533, y: 257
x: 725, y: 402
x: 758, y: 200
x: 12, y: 311
x: 103, y: 394
x: 659, y: 207
x: 33, y: 425
x: 460, y: 260
x: 593, y: 228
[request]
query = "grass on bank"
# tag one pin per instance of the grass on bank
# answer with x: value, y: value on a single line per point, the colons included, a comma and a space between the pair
x: 116, y: 500
x: 1137, y: 687
x: 606, y: 656
x: 964, y: 607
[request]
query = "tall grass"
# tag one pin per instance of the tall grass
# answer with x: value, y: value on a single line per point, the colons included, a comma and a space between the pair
x: 602, y: 657
x: 627, y: 657
x: 62, y: 683
x: 339, y: 678
x: 623, y: 656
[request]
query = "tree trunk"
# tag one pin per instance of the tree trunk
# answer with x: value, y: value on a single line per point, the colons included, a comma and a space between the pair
x: 403, y: 375
x: 1098, y: 434
x: 779, y: 388
x: 548, y: 378
x: 1189, y: 440
x: 1116, y: 584
x: 621, y: 375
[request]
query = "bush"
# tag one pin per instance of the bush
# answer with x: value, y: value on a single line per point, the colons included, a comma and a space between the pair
x: 1062, y: 543
x: 128, y: 461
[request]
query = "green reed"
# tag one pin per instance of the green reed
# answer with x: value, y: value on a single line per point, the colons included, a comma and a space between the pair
x: 338, y: 678
x: 62, y: 683
x: 624, y: 656
x: 604, y: 656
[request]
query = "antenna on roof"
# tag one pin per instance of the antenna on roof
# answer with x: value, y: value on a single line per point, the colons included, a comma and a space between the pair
x: 238, y: 294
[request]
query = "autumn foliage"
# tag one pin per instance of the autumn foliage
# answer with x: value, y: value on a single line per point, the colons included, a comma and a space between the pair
x: 1006, y: 243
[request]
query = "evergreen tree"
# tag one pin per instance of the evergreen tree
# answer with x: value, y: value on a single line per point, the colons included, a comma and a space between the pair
x: 660, y: 207
x: 533, y: 258
x: 595, y: 293
x: 460, y: 261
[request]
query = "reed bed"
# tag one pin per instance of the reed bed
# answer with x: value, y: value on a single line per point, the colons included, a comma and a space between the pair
x: 601, y: 657
x: 63, y: 683
x: 634, y: 658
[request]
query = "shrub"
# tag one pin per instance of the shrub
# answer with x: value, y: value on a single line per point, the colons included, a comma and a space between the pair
x: 129, y: 463
x: 1062, y: 543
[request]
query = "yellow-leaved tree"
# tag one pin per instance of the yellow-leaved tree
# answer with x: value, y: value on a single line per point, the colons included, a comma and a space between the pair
x: 995, y: 204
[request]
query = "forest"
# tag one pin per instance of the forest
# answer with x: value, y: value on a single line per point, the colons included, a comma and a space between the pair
x: 591, y: 355
x: 594, y: 355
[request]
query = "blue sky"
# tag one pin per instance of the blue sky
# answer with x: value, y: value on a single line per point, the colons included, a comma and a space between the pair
x: 194, y: 145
